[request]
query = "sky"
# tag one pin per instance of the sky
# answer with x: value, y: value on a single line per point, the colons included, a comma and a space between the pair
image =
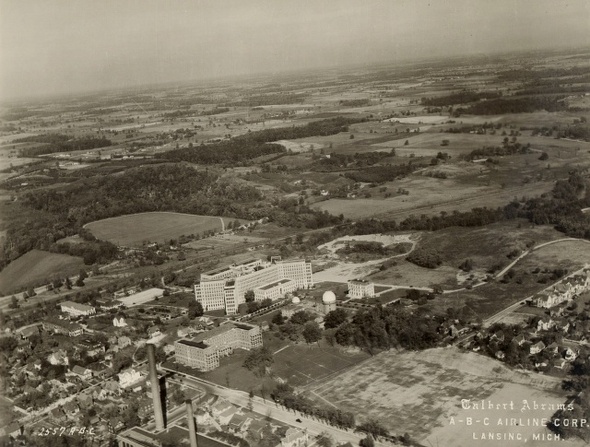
x: 50, y: 47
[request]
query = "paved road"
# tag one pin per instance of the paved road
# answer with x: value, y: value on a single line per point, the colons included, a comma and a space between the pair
x: 276, y: 411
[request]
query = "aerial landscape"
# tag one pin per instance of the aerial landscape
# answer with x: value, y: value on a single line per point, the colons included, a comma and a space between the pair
x: 288, y: 224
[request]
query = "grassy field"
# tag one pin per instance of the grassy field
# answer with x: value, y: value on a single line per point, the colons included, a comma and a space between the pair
x: 419, y: 392
x: 134, y: 229
x: 299, y: 364
x: 223, y: 241
x: 35, y: 268
x: 430, y: 196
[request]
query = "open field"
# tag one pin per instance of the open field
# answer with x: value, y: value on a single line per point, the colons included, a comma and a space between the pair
x: 223, y: 241
x: 303, y: 364
x: 570, y: 255
x: 35, y: 268
x: 419, y: 393
x: 430, y: 196
x: 135, y: 229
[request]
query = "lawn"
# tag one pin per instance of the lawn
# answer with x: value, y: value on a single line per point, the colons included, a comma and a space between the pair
x: 135, y: 229
x: 37, y: 268
x: 418, y: 393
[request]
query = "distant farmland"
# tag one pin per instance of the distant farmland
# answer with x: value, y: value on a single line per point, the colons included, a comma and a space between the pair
x: 134, y: 229
x: 35, y: 267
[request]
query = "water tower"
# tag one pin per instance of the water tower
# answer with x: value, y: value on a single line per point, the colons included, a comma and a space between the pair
x: 328, y: 301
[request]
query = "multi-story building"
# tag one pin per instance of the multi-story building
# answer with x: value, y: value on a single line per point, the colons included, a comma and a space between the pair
x: 62, y: 327
x: 204, y: 350
x: 77, y: 309
x: 361, y: 288
x: 225, y: 288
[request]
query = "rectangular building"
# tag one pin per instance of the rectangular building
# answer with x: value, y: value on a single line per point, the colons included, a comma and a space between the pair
x: 360, y: 288
x: 204, y: 350
x: 225, y: 288
x: 77, y: 309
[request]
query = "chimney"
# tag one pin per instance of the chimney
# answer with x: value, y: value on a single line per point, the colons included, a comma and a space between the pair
x: 192, y: 427
x: 155, y: 381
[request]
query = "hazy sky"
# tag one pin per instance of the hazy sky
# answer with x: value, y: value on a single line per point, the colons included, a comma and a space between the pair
x: 59, y: 46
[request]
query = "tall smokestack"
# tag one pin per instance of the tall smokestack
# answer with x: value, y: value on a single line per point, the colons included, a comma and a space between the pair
x: 192, y: 427
x: 155, y: 381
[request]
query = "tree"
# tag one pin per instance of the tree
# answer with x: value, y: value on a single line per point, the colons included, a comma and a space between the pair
x: 367, y: 442
x: 195, y: 309
x: 335, y: 318
x: 278, y: 319
x: 406, y: 143
x: 249, y: 296
x: 312, y: 332
x: 324, y: 440
x: 13, y: 302
x: 300, y: 317
x: 83, y: 275
x: 31, y: 292
x: 544, y: 156
x: 258, y: 360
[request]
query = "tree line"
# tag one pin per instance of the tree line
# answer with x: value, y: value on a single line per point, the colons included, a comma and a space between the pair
x: 244, y: 148
x: 55, y: 142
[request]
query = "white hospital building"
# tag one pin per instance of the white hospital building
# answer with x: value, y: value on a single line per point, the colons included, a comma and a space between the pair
x: 224, y: 288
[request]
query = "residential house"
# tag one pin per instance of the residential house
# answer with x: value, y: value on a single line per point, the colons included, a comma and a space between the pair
x: 28, y: 332
x: 225, y: 416
x: 83, y: 373
x: 119, y: 321
x: 59, y: 357
x: 256, y: 428
x: 498, y: 335
x: 37, y: 364
x: 559, y: 363
x: 57, y: 414
x: 553, y: 348
x: 70, y: 408
x: 62, y: 327
x: 129, y: 377
x: 500, y: 355
x: 545, y: 323
x: 519, y: 340
x: 123, y: 342
x: 237, y: 422
x: 154, y: 331
x: 570, y: 355
x: 108, y: 304
x: 562, y: 324
x: 90, y: 347
x: 537, y: 347
x: 220, y: 406
x: 295, y: 437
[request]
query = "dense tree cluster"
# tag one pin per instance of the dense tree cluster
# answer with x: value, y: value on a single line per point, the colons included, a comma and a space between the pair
x: 259, y: 360
x: 423, y: 257
x: 459, y: 98
x: 60, y: 143
x: 269, y: 99
x: 286, y: 396
x: 382, y: 328
x: 502, y: 106
x: 244, y: 148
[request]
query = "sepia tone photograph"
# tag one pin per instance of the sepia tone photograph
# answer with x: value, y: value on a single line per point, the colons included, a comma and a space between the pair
x: 294, y: 223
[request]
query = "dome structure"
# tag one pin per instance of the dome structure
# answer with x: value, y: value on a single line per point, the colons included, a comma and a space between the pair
x: 295, y: 300
x: 328, y: 297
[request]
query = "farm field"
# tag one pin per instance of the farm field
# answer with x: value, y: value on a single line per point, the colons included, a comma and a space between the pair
x: 35, y: 267
x: 570, y: 255
x: 429, y: 196
x: 223, y: 241
x: 419, y: 392
x: 135, y: 229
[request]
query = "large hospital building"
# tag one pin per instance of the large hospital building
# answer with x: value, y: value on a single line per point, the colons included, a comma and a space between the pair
x: 203, y: 351
x: 224, y: 288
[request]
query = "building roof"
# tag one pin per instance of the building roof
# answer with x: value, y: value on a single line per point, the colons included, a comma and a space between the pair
x: 79, y: 370
x: 77, y: 306
x: 141, y: 297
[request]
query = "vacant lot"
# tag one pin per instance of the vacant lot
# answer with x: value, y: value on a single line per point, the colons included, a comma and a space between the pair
x: 419, y: 393
x: 134, y: 229
x: 36, y: 268
x: 223, y: 241
x: 303, y: 364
